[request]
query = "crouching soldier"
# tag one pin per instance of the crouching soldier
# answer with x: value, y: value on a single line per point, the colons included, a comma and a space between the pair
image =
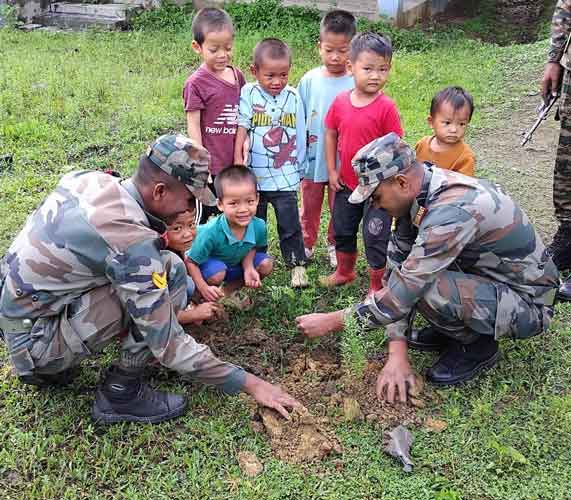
x: 463, y: 255
x: 90, y: 266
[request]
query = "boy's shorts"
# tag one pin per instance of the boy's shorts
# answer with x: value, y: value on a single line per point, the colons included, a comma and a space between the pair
x: 233, y: 273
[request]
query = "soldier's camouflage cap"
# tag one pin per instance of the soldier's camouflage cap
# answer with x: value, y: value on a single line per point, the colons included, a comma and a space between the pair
x: 378, y: 161
x: 178, y: 156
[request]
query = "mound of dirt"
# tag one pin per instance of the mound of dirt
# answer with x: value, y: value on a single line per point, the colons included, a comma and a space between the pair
x: 315, y: 377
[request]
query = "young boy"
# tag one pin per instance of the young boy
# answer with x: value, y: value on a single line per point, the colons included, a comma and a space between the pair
x: 227, y: 248
x: 271, y: 115
x: 211, y: 94
x: 317, y: 89
x: 355, y: 118
x: 181, y: 231
x: 450, y: 113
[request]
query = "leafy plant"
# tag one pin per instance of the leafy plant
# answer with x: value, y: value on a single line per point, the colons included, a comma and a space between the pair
x: 353, y: 347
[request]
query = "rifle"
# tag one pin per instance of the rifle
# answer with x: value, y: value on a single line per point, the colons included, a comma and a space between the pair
x: 543, y: 111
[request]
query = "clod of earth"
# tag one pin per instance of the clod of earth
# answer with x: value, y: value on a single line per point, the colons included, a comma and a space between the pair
x: 399, y: 442
x: 352, y: 410
x: 435, y: 425
x: 249, y: 463
x: 304, y: 438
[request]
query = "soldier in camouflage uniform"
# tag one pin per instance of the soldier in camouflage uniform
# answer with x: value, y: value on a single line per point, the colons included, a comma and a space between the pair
x: 557, y: 80
x: 463, y: 255
x: 90, y: 266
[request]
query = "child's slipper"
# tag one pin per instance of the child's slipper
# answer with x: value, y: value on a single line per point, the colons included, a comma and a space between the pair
x: 238, y: 300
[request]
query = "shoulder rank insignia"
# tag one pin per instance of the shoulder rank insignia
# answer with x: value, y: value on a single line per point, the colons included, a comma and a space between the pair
x: 419, y: 216
x: 159, y: 280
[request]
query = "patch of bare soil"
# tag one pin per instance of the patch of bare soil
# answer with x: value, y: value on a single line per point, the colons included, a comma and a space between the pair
x: 525, y: 173
x: 315, y: 377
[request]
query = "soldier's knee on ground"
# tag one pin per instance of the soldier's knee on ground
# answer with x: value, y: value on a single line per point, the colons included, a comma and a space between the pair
x: 176, y: 278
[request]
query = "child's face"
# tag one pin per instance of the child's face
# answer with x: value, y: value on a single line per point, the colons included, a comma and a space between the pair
x: 239, y: 203
x: 272, y: 74
x: 216, y: 51
x: 449, y: 125
x: 370, y: 71
x: 334, y: 52
x: 182, y: 231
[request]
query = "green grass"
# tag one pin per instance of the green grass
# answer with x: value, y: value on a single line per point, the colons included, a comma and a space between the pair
x: 94, y: 100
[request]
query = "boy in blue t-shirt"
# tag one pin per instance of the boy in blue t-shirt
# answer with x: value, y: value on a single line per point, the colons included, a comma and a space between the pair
x: 271, y: 116
x: 227, y: 248
x: 317, y: 89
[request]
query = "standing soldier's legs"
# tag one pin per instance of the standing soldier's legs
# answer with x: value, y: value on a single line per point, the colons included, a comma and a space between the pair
x: 473, y: 313
x: 561, y: 245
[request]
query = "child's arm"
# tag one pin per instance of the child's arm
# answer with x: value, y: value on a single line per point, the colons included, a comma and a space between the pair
x: 210, y: 292
x: 331, y: 159
x: 193, y: 126
x: 241, y: 142
x: 241, y: 146
x: 466, y: 164
x: 301, y: 134
x: 251, y: 276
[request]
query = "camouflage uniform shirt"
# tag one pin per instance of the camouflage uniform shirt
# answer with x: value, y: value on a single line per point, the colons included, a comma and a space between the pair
x: 560, y: 30
x: 461, y: 224
x: 92, y: 231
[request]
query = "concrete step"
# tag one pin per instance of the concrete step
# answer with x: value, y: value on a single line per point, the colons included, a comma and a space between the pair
x: 80, y: 21
x: 117, y: 10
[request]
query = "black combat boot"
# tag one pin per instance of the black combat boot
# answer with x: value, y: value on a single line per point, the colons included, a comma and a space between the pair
x: 122, y: 397
x: 564, y: 292
x: 460, y: 363
x: 427, y: 339
x: 560, y: 248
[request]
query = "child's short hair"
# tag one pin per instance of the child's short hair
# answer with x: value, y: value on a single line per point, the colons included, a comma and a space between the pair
x: 339, y: 22
x: 210, y: 19
x: 456, y: 96
x: 170, y: 220
x: 274, y: 48
x: 235, y: 174
x: 372, y: 42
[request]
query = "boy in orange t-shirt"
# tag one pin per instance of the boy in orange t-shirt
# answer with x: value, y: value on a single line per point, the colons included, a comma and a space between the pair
x: 450, y: 113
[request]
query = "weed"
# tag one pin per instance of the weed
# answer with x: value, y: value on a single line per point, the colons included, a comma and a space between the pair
x: 353, y: 347
x: 8, y: 16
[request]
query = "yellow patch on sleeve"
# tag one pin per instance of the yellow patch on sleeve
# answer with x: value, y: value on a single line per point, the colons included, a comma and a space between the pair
x: 160, y: 280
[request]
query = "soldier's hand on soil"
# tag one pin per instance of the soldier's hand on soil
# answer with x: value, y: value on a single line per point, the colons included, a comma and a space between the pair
x: 396, y: 375
x: 272, y: 396
x: 551, y: 79
x: 212, y: 293
x: 320, y: 324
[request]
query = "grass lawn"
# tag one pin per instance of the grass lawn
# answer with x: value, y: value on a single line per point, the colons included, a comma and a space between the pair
x: 94, y: 100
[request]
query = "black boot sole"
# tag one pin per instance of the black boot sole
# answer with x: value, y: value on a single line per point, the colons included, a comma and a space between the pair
x: 115, y: 418
x: 483, y: 365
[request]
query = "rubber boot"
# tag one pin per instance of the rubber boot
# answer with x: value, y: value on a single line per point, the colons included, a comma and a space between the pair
x: 122, y: 397
x: 560, y: 248
x: 375, y: 280
x: 345, y: 272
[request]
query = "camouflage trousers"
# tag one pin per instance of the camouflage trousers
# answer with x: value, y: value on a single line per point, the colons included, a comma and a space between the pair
x: 464, y: 306
x: 562, y: 173
x: 87, y: 325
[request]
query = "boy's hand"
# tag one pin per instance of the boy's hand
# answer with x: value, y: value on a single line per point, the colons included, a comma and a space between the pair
x: 334, y: 182
x: 206, y: 310
x: 252, y: 278
x: 211, y: 293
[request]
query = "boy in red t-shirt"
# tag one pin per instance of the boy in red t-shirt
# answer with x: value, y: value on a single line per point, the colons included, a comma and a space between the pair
x: 355, y: 118
x: 211, y: 94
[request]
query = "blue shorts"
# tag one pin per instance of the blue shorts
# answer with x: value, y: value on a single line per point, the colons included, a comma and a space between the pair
x: 233, y: 273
